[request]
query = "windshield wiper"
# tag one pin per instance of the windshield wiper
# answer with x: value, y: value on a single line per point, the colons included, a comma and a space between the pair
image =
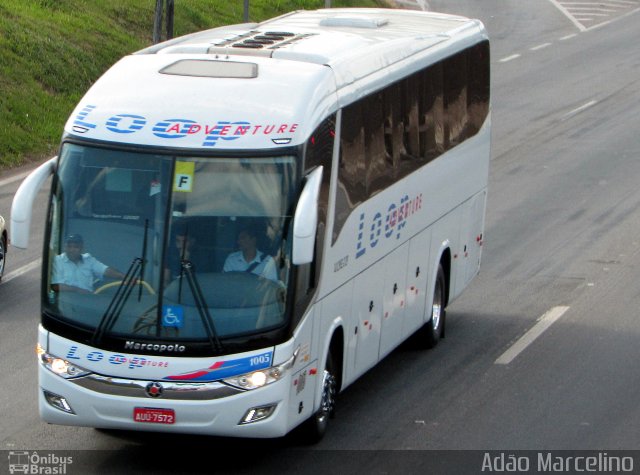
x: 144, y: 256
x: 121, y: 296
x: 118, y: 301
x: 201, y: 305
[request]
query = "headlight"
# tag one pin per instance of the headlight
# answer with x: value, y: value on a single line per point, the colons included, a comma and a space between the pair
x: 59, y: 366
x: 262, y: 377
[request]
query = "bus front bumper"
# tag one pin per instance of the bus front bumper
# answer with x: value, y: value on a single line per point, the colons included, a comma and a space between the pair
x: 149, y: 406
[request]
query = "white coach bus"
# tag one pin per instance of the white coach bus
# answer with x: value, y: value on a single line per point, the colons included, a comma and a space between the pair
x: 244, y: 220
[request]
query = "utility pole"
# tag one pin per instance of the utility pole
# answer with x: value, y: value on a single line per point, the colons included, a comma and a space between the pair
x: 169, y: 19
x: 157, y: 21
x: 246, y: 11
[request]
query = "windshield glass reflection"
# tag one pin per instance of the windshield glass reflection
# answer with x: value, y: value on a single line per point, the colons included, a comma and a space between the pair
x: 151, y: 246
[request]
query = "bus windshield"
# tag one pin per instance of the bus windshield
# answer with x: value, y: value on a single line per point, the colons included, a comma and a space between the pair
x: 169, y: 248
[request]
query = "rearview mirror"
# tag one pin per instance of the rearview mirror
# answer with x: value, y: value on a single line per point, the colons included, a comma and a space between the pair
x: 22, y: 205
x: 305, y: 220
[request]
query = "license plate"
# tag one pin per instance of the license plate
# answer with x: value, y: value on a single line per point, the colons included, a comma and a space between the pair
x: 153, y: 415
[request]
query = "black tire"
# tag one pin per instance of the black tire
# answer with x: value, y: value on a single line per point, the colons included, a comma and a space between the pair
x: 3, y: 255
x: 433, y: 330
x: 315, y: 427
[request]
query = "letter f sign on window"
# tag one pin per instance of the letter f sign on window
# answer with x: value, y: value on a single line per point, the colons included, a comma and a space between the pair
x: 183, y: 179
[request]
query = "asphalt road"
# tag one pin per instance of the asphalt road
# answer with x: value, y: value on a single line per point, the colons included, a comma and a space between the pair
x: 562, y: 241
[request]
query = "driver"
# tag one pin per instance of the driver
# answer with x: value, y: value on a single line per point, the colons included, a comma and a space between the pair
x: 250, y: 259
x: 75, y: 271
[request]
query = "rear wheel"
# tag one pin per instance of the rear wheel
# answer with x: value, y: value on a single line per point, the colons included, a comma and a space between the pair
x: 433, y: 330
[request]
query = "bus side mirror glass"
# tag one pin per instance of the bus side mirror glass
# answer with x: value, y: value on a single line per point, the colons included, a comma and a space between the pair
x: 22, y: 205
x: 305, y: 221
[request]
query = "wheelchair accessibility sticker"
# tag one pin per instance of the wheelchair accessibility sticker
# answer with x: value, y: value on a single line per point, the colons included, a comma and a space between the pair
x: 172, y: 316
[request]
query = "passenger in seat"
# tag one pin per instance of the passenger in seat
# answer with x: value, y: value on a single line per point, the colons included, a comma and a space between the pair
x: 185, y: 249
x: 250, y: 259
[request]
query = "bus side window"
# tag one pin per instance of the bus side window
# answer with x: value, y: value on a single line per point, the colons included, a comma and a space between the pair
x: 432, y: 105
x: 456, y: 75
x: 478, y: 95
x: 393, y: 127
x: 391, y: 133
x: 377, y: 170
x: 351, y: 187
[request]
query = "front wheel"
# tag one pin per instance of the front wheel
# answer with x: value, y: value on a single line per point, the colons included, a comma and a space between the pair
x: 316, y: 426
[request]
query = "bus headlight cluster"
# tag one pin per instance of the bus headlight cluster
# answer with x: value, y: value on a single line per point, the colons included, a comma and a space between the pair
x: 262, y: 377
x: 256, y: 379
x: 59, y: 366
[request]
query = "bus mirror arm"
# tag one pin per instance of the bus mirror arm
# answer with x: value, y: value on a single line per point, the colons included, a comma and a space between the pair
x: 305, y: 221
x: 22, y: 205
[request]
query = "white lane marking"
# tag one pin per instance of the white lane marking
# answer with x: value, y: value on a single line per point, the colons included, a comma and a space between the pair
x: 539, y: 47
x: 577, y: 110
x: 22, y: 270
x: 538, y: 329
x: 509, y: 58
x: 568, y: 14
x: 590, y: 16
x: 592, y: 9
x: 600, y: 25
x: 607, y: 3
x: 568, y: 37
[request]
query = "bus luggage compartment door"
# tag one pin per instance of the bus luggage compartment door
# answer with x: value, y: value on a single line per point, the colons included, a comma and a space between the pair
x: 367, y: 314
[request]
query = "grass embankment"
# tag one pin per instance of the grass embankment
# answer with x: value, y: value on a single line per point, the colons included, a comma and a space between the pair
x: 51, y: 51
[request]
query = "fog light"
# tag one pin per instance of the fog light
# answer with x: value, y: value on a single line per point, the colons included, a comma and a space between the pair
x: 258, y: 413
x: 58, y: 402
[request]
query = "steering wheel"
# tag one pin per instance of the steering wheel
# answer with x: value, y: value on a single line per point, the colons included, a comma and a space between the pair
x: 117, y: 283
